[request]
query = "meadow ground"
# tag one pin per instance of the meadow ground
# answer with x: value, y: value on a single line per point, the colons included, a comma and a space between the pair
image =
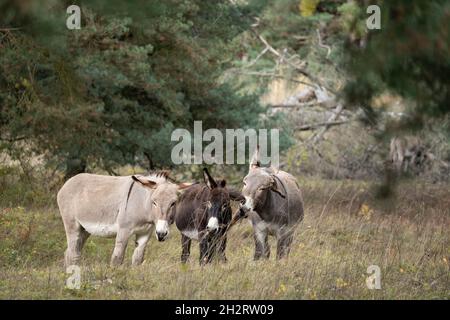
x: 345, y: 230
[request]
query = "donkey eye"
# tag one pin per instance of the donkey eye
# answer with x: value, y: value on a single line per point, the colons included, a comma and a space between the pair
x: 154, y: 203
x: 173, y: 203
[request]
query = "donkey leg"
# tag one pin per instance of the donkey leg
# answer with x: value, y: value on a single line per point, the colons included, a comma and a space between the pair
x: 204, y: 251
x: 284, y: 241
x: 262, y: 249
x: 121, y: 245
x: 76, y: 237
x: 185, y: 248
x: 139, y: 251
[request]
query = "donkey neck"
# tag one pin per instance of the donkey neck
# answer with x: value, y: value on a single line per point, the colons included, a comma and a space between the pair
x: 138, y: 202
x: 273, y: 203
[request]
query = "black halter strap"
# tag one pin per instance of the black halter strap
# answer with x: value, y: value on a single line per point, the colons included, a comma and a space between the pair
x: 284, y: 187
x: 128, y: 195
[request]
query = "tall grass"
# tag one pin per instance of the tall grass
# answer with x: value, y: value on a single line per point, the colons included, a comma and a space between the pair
x: 345, y: 230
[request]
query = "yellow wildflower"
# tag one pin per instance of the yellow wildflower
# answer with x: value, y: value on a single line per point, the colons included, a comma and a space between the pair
x: 365, y: 212
x: 341, y: 283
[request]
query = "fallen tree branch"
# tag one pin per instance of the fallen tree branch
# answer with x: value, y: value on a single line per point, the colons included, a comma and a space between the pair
x: 13, y: 139
x: 321, y: 124
x: 8, y: 29
x: 273, y: 75
x: 325, y: 104
x: 296, y: 105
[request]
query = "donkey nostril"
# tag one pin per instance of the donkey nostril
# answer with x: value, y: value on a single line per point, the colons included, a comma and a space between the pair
x: 161, y: 236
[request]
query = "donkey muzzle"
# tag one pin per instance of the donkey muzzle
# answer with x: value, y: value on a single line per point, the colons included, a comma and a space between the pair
x: 162, y: 230
x: 213, y: 224
x: 161, y: 236
x: 243, y: 212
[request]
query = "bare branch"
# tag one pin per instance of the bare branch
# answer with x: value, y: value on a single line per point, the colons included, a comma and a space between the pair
x: 296, y: 67
x: 296, y: 105
x: 13, y: 139
x: 8, y: 29
x: 257, y: 57
x: 318, y: 136
x: 321, y: 124
x: 273, y: 75
x: 323, y: 45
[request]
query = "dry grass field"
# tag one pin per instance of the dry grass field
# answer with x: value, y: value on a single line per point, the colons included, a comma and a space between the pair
x: 345, y: 230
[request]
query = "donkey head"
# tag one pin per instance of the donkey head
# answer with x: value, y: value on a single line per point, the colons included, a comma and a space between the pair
x: 218, y: 206
x: 162, y: 200
x: 257, y: 185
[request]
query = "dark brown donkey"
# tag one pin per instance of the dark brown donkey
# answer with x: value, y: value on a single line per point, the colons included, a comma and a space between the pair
x: 203, y: 213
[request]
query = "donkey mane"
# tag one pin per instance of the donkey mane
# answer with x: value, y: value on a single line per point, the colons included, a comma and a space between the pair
x: 160, y: 175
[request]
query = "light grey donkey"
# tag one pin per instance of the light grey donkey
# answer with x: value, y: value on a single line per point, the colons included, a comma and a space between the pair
x: 117, y: 207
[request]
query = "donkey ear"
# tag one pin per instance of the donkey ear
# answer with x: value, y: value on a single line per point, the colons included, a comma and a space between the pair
x: 254, y: 162
x: 145, y: 182
x: 184, y: 185
x: 172, y: 213
x: 236, y: 195
x: 209, y: 181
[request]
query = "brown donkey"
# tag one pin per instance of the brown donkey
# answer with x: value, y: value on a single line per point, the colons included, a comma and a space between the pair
x: 203, y: 213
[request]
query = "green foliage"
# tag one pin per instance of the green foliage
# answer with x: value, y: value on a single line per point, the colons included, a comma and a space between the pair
x: 19, y: 188
x: 26, y: 243
x: 111, y: 93
x: 408, y: 56
x: 350, y: 18
x: 285, y: 28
